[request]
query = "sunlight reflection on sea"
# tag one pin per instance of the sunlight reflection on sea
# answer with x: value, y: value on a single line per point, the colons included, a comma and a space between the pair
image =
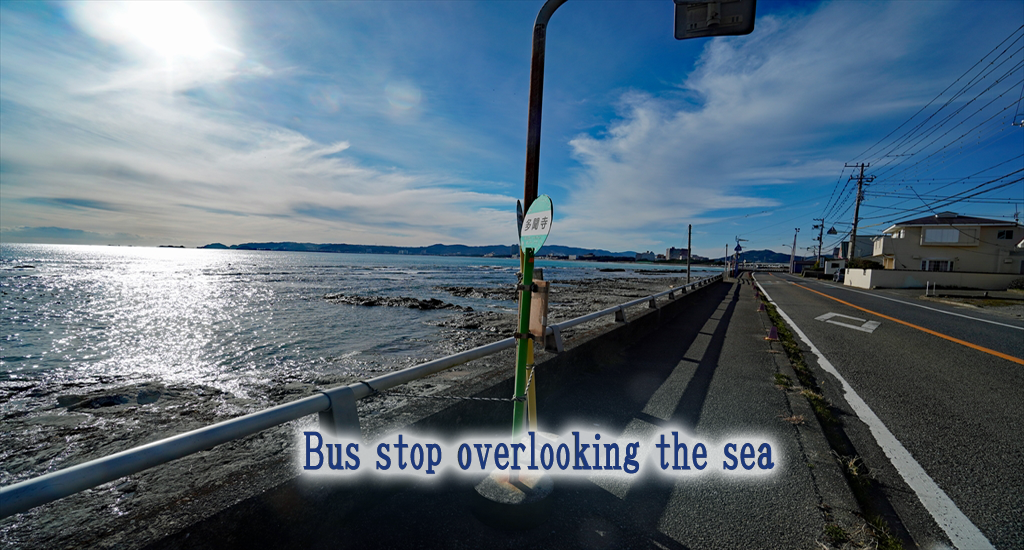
x: 224, y: 318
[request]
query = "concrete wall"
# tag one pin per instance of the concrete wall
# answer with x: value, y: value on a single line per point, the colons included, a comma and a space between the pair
x: 588, y: 353
x: 888, y: 278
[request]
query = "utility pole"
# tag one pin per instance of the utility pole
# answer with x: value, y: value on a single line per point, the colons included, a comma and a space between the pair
x: 725, y: 259
x: 821, y: 232
x: 852, y: 249
x: 689, y: 234
x: 792, y: 252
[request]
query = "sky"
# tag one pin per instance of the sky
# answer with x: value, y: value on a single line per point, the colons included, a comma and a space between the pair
x: 404, y: 123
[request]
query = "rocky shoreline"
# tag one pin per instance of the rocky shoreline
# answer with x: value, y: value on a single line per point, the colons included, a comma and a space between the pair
x: 91, y: 419
x: 390, y: 301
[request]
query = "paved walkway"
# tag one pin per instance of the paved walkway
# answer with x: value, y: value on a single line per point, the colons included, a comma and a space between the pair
x: 708, y: 370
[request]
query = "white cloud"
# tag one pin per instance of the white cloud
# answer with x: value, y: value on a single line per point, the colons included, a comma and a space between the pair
x: 764, y: 109
x: 106, y: 148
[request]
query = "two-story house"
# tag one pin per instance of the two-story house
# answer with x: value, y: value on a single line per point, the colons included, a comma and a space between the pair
x: 950, y: 242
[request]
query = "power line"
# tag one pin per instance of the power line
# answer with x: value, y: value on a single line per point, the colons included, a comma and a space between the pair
x: 965, y: 134
x: 977, y: 78
x: 834, y: 188
x: 940, y: 94
x: 953, y: 198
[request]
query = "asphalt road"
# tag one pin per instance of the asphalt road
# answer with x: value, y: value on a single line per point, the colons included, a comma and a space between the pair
x: 954, y: 406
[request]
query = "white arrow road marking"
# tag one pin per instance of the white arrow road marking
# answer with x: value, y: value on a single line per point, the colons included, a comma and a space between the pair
x: 866, y: 326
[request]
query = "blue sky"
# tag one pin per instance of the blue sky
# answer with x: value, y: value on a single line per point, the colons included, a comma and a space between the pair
x: 404, y: 123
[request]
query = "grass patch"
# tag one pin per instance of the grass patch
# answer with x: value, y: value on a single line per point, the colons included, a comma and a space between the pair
x: 885, y: 539
x: 976, y: 301
x: 852, y: 464
x: 796, y: 419
x: 793, y: 351
x: 821, y: 407
x: 783, y: 380
x: 993, y: 302
x: 836, y: 534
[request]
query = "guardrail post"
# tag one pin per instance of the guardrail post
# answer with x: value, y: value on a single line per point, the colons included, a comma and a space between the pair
x: 554, y: 342
x: 652, y: 304
x: 341, y: 418
x: 620, y: 315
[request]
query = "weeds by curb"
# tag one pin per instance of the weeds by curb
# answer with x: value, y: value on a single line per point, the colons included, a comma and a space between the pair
x: 864, y: 487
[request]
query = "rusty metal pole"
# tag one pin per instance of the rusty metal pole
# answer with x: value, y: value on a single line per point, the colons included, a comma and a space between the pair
x: 536, y: 99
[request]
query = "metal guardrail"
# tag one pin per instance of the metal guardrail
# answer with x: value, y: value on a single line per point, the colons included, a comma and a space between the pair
x: 336, y: 407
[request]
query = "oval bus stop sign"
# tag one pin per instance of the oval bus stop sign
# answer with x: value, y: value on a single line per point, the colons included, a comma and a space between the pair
x: 536, y: 224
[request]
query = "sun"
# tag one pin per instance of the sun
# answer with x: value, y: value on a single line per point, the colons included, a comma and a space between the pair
x: 169, y: 29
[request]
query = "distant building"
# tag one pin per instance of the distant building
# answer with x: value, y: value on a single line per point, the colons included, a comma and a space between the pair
x: 676, y: 253
x: 660, y: 258
x: 646, y: 256
x: 865, y: 245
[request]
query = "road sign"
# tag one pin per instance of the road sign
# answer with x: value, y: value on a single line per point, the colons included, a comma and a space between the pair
x: 536, y: 224
x: 866, y: 326
x: 699, y: 18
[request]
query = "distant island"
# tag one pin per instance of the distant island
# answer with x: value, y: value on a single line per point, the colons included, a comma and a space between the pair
x: 490, y: 251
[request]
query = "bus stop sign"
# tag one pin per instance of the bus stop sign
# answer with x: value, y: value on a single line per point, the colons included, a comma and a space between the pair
x: 536, y: 224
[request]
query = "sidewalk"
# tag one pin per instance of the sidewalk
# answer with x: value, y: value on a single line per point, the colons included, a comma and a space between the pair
x: 708, y: 370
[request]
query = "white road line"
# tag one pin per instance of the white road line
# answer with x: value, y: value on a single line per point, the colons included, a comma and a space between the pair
x: 925, y: 307
x: 961, y: 532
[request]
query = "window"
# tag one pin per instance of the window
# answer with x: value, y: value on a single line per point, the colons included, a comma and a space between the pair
x: 1005, y: 234
x: 936, y: 265
x: 932, y: 235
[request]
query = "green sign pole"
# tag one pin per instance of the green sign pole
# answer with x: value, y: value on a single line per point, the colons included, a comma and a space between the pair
x: 519, y: 408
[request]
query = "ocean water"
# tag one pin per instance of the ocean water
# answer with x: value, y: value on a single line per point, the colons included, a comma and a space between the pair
x: 231, y: 319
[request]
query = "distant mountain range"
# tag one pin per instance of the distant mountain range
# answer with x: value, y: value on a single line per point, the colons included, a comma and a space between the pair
x: 764, y: 257
x: 432, y: 250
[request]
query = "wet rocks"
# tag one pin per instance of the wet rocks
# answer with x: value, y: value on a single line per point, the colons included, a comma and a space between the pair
x: 74, y: 402
x: 391, y: 301
x: 495, y: 293
x: 148, y: 395
x: 143, y: 394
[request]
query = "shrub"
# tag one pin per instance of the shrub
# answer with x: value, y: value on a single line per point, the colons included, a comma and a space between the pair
x: 861, y: 263
x: 1017, y: 284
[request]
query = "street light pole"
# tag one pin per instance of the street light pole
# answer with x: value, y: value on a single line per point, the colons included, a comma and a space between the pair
x: 540, y: 28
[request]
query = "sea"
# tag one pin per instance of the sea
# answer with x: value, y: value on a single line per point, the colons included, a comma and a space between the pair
x: 235, y: 320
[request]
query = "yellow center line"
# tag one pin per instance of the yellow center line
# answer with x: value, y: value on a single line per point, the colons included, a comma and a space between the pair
x: 1017, y: 360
